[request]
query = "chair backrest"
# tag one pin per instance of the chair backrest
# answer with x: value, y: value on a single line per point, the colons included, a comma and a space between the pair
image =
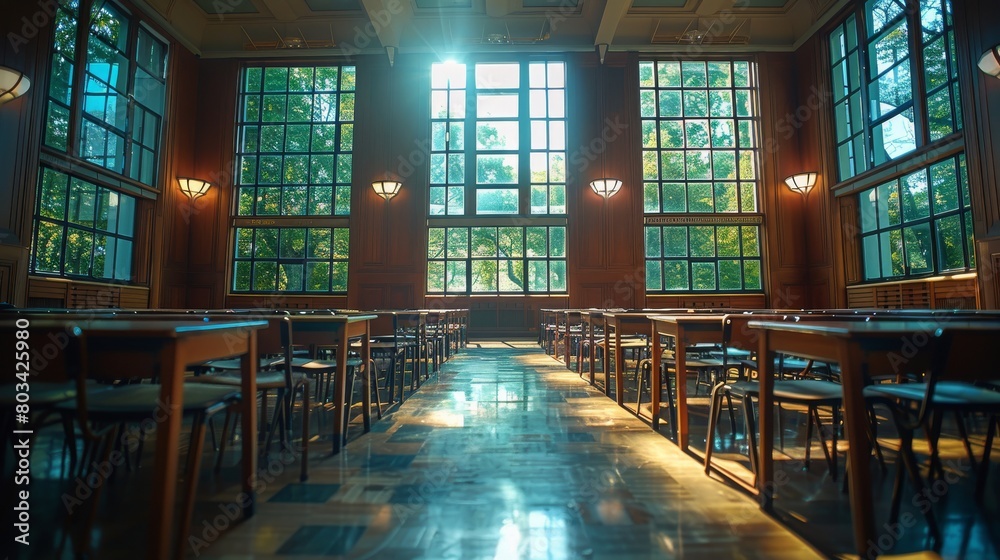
x: 46, y: 354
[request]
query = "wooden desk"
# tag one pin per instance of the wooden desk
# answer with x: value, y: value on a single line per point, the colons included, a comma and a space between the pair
x: 336, y: 330
x: 855, y: 346
x: 549, y: 317
x: 687, y: 329
x: 165, y: 348
x: 617, y: 324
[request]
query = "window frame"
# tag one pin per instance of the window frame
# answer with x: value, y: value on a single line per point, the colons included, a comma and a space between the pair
x: 334, y: 220
x: 450, y: 218
x: 741, y: 216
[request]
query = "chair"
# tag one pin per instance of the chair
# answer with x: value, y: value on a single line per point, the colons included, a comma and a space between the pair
x: 271, y: 376
x: 314, y: 336
x: 810, y: 393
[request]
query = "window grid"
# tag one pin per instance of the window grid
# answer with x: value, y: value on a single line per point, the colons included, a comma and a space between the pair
x: 547, y: 159
x: 918, y: 224
x: 498, y: 148
x: 895, y: 112
x: 496, y: 259
x: 944, y: 110
x: 123, y: 96
x: 849, y: 126
x: 295, y: 136
x: 293, y: 260
x: 295, y: 141
x: 81, y: 230
x: 448, y: 106
x: 699, y: 156
x: 703, y: 258
x: 61, y: 76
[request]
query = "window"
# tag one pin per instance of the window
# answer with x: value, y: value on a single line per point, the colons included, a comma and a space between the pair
x: 918, y: 224
x: 498, y: 149
x: 81, y: 229
x: 497, y: 259
x: 895, y: 89
x: 84, y: 220
x: 121, y: 110
x: 699, y: 161
x: 295, y: 136
x: 877, y: 86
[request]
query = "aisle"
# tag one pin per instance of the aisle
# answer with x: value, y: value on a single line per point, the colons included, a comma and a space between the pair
x: 505, y: 455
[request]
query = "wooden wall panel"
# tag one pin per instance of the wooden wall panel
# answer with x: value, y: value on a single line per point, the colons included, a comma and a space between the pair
x: 784, y: 232
x: 21, y: 123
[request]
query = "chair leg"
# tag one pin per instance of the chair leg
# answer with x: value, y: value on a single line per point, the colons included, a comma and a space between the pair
x: 963, y: 433
x: 374, y: 385
x: 713, y: 421
x: 220, y: 453
x: 873, y: 437
x: 751, y: 433
x: 984, y: 464
x: 810, y: 415
x: 191, y: 479
x: 304, y: 458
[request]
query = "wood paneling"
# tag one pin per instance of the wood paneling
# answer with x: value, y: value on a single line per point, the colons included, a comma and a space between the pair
x: 87, y: 295
x: 959, y: 292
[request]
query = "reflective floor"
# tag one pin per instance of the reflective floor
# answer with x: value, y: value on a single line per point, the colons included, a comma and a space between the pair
x: 507, y: 455
x: 504, y: 454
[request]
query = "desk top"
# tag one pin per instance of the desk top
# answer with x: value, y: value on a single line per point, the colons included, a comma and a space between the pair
x: 850, y: 329
x: 700, y: 318
x: 331, y: 318
x: 128, y: 328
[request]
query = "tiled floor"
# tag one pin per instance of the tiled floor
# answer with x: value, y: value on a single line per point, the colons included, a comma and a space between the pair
x: 504, y: 454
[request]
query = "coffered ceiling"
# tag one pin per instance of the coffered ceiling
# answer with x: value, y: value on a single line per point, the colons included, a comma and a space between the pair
x: 228, y: 28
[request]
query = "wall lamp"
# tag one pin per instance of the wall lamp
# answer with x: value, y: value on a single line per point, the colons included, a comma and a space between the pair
x: 13, y: 84
x: 386, y: 189
x: 802, y: 183
x: 606, y: 187
x: 990, y: 62
x: 193, y: 188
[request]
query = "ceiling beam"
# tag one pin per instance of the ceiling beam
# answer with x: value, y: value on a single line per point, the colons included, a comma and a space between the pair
x: 388, y: 18
x: 614, y: 11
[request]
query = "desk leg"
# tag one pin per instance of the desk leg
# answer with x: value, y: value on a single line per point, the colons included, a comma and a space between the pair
x: 680, y: 372
x: 859, y: 479
x: 655, y: 381
x: 340, y: 392
x: 593, y: 358
x: 619, y: 371
x: 606, y: 361
x: 366, y: 382
x: 765, y: 461
x: 168, y: 431
x: 248, y: 458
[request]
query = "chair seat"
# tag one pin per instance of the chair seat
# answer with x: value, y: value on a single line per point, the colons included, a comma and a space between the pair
x: 234, y: 364
x: 140, y: 401
x: 804, y: 390
x: 946, y: 393
x: 47, y: 394
x: 265, y: 380
x: 314, y: 366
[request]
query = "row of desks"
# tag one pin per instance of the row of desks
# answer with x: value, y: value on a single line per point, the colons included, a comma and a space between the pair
x: 165, y: 344
x: 855, y: 344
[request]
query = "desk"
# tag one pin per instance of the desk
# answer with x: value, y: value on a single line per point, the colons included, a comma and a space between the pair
x: 336, y: 330
x: 621, y: 323
x: 687, y: 329
x: 855, y: 346
x: 151, y: 347
x: 549, y: 317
